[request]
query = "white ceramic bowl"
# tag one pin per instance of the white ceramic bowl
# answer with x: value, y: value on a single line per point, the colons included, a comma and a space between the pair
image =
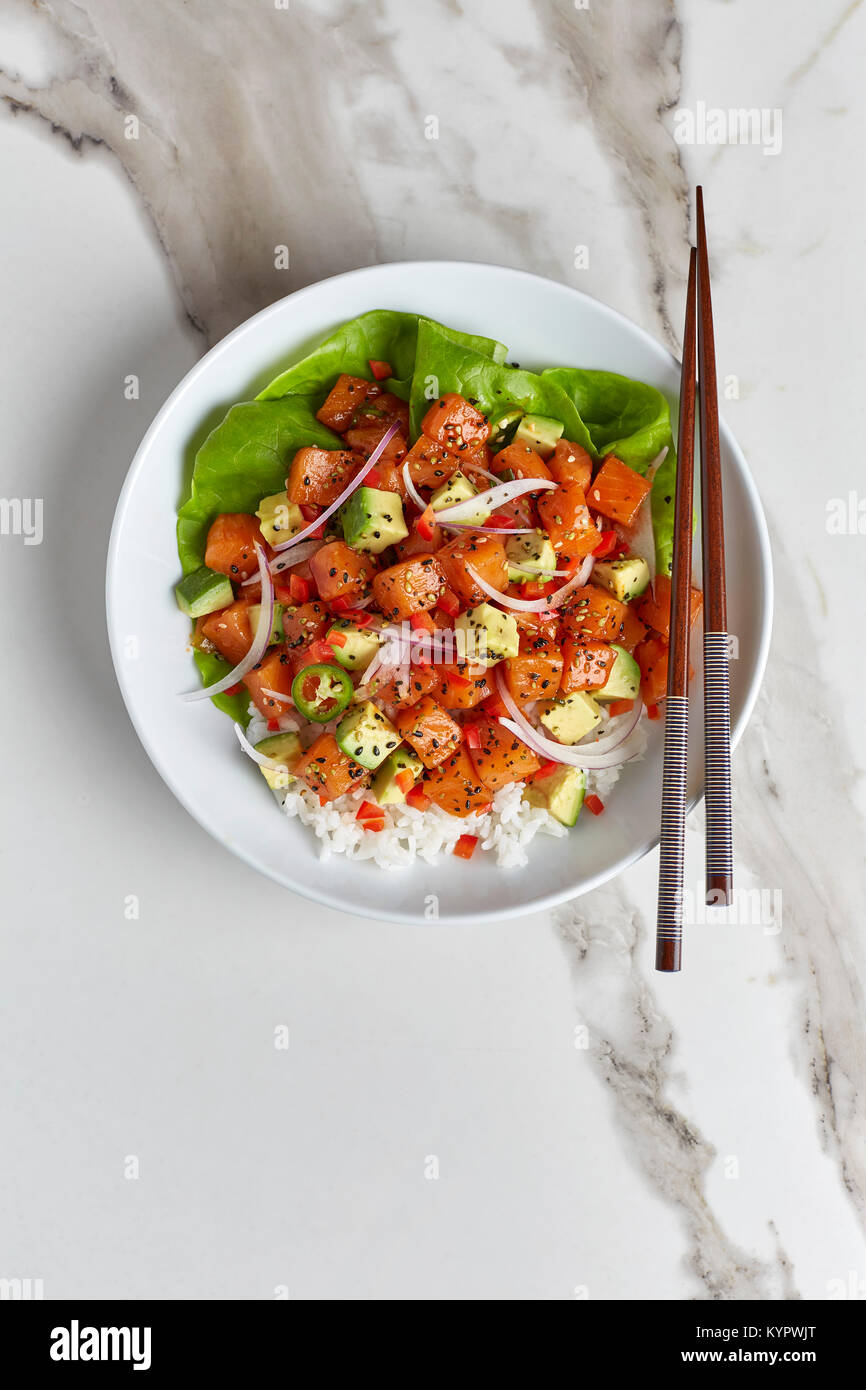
x: 193, y: 746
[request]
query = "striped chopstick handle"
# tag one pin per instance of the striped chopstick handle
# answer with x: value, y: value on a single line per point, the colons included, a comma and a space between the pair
x: 673, y: 832
x: 717, y: 745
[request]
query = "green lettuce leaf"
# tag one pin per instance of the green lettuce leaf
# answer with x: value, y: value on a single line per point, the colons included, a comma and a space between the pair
x: 384, y: 335
x: 244, y: 459
x: 445, y: 364
x: 632, y: 420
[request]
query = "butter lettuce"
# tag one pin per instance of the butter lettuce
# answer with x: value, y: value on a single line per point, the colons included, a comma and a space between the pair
x: 443, y: 364
x: 383, y: 335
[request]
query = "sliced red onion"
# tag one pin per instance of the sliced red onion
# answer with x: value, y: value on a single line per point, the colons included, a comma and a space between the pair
x: 277, y: 695
x: 476, y: 468
x: 261, y: 637
x: 572, y: 755
x: 533, y: 605
x: 640, y: 537
x: 493, y: 497
x: 412, y: 490
x: 297, y: 557
x: 601, y: 753
x: 347, y: 492
x: 272, y: 764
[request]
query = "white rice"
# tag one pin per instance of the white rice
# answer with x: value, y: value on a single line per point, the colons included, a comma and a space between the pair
x: 505, y: 831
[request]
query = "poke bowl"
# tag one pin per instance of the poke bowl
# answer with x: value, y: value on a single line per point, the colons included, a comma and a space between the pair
x: 346, y: 491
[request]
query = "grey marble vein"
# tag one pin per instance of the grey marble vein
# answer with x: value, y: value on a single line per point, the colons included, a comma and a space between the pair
x: 632, y: 1046
x: 622, y: 64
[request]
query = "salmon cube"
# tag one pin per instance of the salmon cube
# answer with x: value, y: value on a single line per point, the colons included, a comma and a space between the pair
x: 486, y: 555
x: 341, y: 572
x: 618, y: 491
x: 565, y: 517
x: 430, y: 730
x: 229, y: 630
x: 430, y: 464
x: 273, y: 672
x: 455, y: 786
x: 454, y: 422
x: 343, y: 400
x: 569, y: 463
x: 411, y: 586
x: 327, y: 769
x: 230, y: 545
x: 502, y: 757
x: 586, y: 665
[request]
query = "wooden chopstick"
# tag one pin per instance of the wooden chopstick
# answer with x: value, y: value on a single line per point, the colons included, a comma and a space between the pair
x: 669, y: 927
x: 717, y: 704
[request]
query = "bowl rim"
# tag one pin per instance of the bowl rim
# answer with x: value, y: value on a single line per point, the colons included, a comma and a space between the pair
x: 188, y: 382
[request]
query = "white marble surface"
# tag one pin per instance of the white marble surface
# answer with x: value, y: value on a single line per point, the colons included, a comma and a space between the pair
x: 705, y: 1137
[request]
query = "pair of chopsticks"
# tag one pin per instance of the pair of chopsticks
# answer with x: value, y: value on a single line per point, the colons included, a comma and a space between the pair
x: 698, y: 354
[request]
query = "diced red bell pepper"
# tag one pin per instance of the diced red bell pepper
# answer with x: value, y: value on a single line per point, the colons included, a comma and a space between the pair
x: 654, y: 711
x: 620, y: 706
x: 606, y: 544
x: 422, y: 622
x: 274, y: 725
x: 309, y: 512
x: 449, y: 603
x: 235, y: 689
x: 425, y: 523
x: 465, y: 846
x: 405, y: 780
x: 594, y: 804
x: 495, y: 706
x: 472, y: 735
x: 373, y: 478
x: 418, y: 798
x: 381, y: 370
x: 340, y: 604
x: 335, y: 638
x: 300, y: 590
x: 545, y: 770
x: 368, y: 810
x: 498, y: 519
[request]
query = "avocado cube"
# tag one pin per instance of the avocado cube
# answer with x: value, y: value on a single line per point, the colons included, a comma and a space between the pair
x: 533, y: 549
x: 625, y: 579
x: 373, y: 519
x: 384, y: 789
x: 202, y: 592
x: 279, y: 519
x: 571, y: 718
x: 540, y: 432
x: 367, y: 736
x: 282, y: 748
x: 277, y: 633
x: 489, y: 635
x: 561, y: 793
x: 458, y: 488
x: 359, y: 647
x: 623, y: 679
